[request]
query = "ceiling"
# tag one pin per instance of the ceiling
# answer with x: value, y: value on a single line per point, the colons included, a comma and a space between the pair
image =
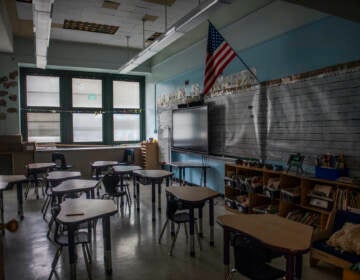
x: 129, y: 14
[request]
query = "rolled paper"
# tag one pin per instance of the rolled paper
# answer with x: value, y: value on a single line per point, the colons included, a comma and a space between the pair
x: 3, y: 93
x: 11, y: 110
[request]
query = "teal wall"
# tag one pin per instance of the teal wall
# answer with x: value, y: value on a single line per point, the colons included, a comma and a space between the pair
x: 326, y: 42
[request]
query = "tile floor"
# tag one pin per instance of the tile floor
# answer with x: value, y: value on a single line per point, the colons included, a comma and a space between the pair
x: 136, y: 253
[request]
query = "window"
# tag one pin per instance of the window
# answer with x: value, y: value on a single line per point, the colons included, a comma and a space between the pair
x: 126, y: 119
x: 80, y: 107
x: 126, y: 127
x: 87, y: 93
x: 43, y: 127
x: 126, y: 94
x: 42, y: 91
x: 87, y: 127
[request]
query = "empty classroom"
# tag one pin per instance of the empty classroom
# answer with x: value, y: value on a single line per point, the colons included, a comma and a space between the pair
x: 179, y: 139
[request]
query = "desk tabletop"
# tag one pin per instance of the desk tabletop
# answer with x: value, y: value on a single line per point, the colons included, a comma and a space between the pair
x: 40, y: 165
x: 103, y: 163
x: 126, y: 168
x: 75, y: 185
x: 5, y: 180
x: 189, y: 164
x: 272, y: 230
x: 192, y: 194
x: 152, y: 173
x: 75, y: 211
x: 61, y: 175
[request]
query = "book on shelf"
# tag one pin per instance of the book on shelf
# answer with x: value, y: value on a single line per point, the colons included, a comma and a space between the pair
x: 304, y: 217
x: 348, y: 198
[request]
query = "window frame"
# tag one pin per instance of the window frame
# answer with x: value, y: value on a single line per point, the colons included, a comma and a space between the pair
x: 66, y: 110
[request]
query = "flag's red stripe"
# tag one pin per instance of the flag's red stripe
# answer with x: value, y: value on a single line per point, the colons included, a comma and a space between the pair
x: 219, y: 70
x: 215, y: 57
x: 221, y: 56
x: 215, y: 53
x: 213, y: 72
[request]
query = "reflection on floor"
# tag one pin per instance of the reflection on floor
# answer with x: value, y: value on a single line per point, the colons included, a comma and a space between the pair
x: 135, y: 251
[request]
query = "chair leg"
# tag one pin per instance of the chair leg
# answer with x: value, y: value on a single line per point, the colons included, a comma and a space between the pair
x: 27, y: 189
x: 88, y: 252
x: 47, y: 204
x: 54, y: 263
x: 197, y: 235
x: 128, y: 193
x: 43, y: 204
x: 49, y: 229
x: 186, y: 231
x: 174, y: 240
x: 163, y: 230
x: 87, y: 262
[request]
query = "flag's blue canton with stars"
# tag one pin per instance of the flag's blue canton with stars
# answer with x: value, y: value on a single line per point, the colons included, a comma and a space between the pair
x: 219, y: 55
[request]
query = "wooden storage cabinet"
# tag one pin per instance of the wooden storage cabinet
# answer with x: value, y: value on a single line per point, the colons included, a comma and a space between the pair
x: 150, y: 155
x: 292, y: 198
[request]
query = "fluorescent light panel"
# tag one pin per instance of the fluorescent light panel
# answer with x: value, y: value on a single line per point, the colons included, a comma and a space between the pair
x: 191, y: 20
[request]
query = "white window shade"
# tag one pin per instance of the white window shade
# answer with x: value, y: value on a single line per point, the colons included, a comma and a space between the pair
x: 87, y: 93
x: 126, y: 127
x: 42, y: 91
x: 87, y: 127
x: 43, y: 127
x: 126, y: 94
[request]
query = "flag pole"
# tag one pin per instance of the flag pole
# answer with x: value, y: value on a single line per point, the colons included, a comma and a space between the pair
x: 238, y: 56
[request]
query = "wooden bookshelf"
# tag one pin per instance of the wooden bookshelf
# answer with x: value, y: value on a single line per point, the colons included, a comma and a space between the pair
x: 150, y: 155
x: 343, y: 195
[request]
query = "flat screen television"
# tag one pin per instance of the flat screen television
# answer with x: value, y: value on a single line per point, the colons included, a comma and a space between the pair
x: 190, y: 129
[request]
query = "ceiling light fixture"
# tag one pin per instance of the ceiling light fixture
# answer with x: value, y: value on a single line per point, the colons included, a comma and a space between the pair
x: 185, y: 24
x: 42, y: 10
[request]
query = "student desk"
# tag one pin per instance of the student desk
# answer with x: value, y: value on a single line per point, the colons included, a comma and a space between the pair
x: 6, y: 183
x: 56, y: 177
x: 288, y: 237
x: 192, y: 198
x: 182, y: 165
x: 76, y: 211
x: 153, y: 177
x: 75, y: 186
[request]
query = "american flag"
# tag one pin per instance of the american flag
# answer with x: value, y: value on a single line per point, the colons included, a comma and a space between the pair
x: 219, y: 55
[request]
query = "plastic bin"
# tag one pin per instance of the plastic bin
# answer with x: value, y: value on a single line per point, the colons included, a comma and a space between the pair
x: 330, y: 173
